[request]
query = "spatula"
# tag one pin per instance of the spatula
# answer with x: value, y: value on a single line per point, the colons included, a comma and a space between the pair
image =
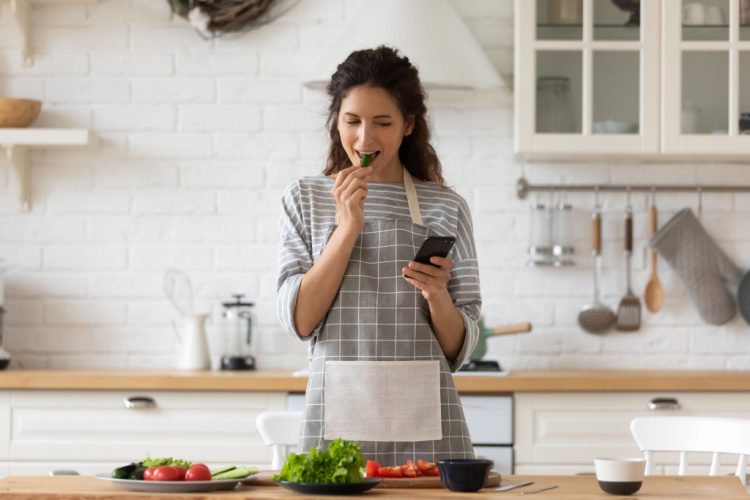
x: 653, y: 295
x: 629, y: 311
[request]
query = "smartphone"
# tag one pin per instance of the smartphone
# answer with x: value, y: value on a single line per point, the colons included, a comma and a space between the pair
x: 434, y: 246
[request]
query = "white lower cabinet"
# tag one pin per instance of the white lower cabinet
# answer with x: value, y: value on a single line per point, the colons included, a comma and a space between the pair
x: 488, y: 418
x: 562, y: 433
x: 94, y: 431
x: 490, y: 423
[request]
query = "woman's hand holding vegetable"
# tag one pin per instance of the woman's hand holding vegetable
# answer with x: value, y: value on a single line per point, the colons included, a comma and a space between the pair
x: 447, y: 322
x: 350, y: 191
x: 321, y: 283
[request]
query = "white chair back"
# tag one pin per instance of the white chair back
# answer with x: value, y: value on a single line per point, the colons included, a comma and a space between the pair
x: 280, y: 430
x: 693, y: 434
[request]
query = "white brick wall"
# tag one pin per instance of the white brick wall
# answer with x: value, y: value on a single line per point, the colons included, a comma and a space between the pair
x: 195, y: 141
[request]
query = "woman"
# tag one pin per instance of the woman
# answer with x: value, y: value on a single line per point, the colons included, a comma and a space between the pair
x: 385, y: 333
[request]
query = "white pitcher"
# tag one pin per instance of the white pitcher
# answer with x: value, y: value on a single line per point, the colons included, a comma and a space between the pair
x: 193, y: 344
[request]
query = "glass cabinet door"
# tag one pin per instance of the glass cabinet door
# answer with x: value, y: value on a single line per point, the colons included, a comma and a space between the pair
x: 706, y: 72
x: 587, y: 78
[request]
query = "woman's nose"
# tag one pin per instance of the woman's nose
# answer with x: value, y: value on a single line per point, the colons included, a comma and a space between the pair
x: 365, y: 133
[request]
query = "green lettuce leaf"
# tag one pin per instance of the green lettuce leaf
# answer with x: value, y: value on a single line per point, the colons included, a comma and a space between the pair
x: 341, y: 463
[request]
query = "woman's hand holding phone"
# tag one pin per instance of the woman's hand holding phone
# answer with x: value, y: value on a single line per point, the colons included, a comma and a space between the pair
x: 431, y: 278
x: 350, y: 191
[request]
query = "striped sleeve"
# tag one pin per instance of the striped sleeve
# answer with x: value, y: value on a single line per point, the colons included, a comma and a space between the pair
x: 464, y: 283
x: 295, y: 259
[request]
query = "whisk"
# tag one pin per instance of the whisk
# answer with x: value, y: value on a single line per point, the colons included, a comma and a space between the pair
x: 179, y: 290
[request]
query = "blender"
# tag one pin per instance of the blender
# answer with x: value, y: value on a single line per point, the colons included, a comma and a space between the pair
x: 238, y: 327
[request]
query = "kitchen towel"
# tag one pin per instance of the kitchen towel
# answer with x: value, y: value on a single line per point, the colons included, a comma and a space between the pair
x: 710, y: 277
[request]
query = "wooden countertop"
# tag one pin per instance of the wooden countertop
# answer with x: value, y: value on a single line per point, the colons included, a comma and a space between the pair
x: 284, y: 381
x: 568, y: 488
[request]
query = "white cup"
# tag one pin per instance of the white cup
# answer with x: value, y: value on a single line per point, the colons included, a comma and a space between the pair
x: 620, y: 476
x: 694, y: 14
x: 690, y: 118
x: 714, y: 15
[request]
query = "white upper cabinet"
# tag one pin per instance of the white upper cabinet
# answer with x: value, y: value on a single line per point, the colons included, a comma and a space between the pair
x: 596, y: 78
x: 706, y: 77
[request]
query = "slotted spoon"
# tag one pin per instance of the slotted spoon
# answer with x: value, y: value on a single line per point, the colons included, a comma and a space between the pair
x: 629, y: 311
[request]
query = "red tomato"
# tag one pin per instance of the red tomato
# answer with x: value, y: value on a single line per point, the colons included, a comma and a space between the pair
x: 372, y: 468
x: 396, y: 471
x: 408, y: 471
x: 148, y: 474
x: 166, y: 473
x: 409, y: 463
x: 428, y: 468
x: 181, y: 472
x: 198, y: 473
x: 201, y: 465
x: 384, y: 472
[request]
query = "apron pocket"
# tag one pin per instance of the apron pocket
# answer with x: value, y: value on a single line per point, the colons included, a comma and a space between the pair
x: 388, y: 401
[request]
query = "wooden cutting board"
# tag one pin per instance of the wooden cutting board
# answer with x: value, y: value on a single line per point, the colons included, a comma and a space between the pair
x: 428, y: 481
x: 264, y: 479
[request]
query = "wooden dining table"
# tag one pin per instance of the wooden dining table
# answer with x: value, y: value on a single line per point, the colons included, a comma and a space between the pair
x: 568, y: 488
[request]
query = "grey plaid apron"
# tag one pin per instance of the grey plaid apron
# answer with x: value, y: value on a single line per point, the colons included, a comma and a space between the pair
x: 376, y: 345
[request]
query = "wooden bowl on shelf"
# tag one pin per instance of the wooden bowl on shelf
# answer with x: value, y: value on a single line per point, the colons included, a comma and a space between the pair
x: 18, y: 113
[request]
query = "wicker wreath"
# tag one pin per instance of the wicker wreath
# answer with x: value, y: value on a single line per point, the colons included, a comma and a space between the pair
x: 213, y: 17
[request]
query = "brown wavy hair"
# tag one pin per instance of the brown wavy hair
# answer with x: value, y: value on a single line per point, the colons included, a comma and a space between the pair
x: 384, y: 68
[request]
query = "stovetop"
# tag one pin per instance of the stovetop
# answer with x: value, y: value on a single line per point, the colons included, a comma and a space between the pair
x: 482, y: 365
x: 482, y: 368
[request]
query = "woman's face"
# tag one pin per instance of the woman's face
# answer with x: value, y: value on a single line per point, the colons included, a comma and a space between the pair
x: 371, y: 122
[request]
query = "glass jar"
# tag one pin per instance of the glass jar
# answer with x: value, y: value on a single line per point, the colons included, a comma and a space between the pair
x: 565, y: 11
x: 540, y: 235
x: 562, y: 239
x: 745, y: 12
x: 554, y: 111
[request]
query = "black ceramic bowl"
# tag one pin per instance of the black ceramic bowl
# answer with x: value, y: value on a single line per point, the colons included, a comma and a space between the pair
x: 464, y: 474
x: 620, y: 487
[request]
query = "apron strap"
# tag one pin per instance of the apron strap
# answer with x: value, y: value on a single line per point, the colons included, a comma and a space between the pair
x: 411, y: 197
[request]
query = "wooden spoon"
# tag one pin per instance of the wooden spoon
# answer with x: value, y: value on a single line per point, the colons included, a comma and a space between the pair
x: 653, y: 296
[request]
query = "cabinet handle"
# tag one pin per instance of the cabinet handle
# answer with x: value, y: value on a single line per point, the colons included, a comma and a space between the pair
x: 137, y: 402
x: 63, y: 473
x: 664, y: 404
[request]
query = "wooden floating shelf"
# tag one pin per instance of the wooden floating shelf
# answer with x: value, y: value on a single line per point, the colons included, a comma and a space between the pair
x: 21, y: 10
x: 18, y: 141
x: 46, y: 137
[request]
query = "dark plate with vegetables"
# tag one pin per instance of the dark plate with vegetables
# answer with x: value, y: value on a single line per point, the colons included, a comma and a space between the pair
x: 331, y: 488
x: 171, y: 486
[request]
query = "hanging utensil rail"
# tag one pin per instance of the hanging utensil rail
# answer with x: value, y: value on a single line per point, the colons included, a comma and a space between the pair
x: 523, y: 188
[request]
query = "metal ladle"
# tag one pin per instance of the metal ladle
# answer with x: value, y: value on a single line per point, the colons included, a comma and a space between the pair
x: 596, y: 317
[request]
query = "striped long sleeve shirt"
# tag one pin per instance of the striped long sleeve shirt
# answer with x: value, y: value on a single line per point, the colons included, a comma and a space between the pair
x: 308, y: 212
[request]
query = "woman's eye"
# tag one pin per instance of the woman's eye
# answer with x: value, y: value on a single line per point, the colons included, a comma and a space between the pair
x: 352, y: 122
x: 384, y: 124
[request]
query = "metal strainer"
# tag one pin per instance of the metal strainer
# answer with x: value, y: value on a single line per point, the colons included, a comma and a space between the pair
x: 596, y: 317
